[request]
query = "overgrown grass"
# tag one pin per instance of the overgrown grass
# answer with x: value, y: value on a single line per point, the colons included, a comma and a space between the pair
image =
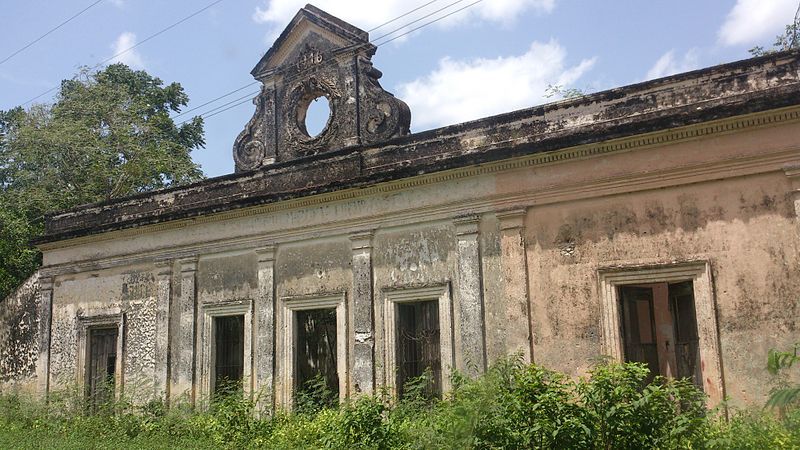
x: 512, y: 406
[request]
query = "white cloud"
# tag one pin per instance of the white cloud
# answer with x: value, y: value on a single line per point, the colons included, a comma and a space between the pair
x: 668, y: 64
x: 367, y: 14
x: 751, y: 21
x: 132, y: 58
x: 118, y: 3
x: 463, y: 90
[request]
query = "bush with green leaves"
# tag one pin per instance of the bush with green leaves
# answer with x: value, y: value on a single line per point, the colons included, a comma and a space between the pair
x: 513, y: 405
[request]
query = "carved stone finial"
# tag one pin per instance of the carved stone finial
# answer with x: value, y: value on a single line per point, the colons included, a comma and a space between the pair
x: 316, y: 56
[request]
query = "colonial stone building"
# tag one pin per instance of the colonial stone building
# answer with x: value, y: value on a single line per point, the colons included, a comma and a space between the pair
x: 656, y: 222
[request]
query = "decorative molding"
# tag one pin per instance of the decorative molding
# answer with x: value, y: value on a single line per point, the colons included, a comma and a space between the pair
x: 188, y: 265
x: 467, y: 226
x: 512, y: 219
x: 266, y: 254
x: 731, y: 168
x: 361, y: 240
x: 163, y: 268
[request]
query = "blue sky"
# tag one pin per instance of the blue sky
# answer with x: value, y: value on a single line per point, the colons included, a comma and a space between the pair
x: 493, y: 57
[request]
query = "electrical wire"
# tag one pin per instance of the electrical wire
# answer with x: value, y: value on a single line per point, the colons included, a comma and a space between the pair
x: 28, y: 45
x: 417, y: 20
x: 428, y: 23
x: 148, y: 38
x: 237, y: 102
x: 401, y: 16
x: 215, y: 99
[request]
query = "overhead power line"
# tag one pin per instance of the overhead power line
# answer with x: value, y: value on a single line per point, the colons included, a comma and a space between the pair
x: 428, y: 23
x: 148, y: 38
x: 215, y: 99
x: 417, y: 20
x: 234, y: 103
x: 401, y: 16
x: 29, y: 44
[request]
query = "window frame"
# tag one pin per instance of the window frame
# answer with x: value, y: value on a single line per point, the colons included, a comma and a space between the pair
x: 287, y: 342
x: 699, y: 272
x: 395, y: 296
x: 206, y: 344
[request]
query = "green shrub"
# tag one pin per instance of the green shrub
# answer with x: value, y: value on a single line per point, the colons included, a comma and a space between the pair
x: 513, y: 405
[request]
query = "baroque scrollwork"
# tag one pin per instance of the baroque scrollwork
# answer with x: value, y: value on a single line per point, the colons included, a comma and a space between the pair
x: 298, y: 100
x: 250, y: 149
x: 318, y: 56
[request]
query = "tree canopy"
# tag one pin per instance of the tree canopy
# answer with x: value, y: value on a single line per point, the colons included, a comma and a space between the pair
x: 107, y: 135
x: 788, y: 40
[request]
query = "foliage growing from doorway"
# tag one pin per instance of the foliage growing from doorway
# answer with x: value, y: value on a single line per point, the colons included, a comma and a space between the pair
x: 107, y: 135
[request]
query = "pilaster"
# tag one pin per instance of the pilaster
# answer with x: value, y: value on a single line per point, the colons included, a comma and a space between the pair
x: 164, y: 298
x: 514, y: 269
x: 45, y: 320
x: 264, y: 330
x: 363, y: 372
x: 183, y: 345
x: 793, y: 174
x: 470, y: 341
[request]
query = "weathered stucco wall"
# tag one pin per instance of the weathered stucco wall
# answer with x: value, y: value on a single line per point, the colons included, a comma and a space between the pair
x: 745, y: 228
x: 127, y: 293
x: 19, y: 337
x: 529, y: 234
x: 410, y: 257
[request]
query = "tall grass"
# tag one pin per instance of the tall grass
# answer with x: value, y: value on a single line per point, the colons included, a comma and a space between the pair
x: 512, y: 406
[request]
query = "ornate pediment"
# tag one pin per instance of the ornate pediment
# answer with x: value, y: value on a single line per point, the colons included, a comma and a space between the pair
x: 317, y: 55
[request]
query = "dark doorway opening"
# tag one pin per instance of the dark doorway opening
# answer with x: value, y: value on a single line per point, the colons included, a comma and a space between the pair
x: 102, y: 366
x: 228, y: 353
x: 418, y: 347
x: 316, y: 374
x: 660, y: 329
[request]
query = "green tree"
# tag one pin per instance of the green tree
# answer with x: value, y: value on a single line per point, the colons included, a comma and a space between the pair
x: 107, y: 135
x: 788, y: 40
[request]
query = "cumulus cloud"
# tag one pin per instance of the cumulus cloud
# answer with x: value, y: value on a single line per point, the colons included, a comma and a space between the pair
x: 751, y: 21
x: 367, y: 14
x: 132, y: 58
x: 460, y: 90
x: 668, y: 64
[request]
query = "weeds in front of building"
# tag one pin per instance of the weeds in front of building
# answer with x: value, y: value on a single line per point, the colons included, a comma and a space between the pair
x: 513, y: 406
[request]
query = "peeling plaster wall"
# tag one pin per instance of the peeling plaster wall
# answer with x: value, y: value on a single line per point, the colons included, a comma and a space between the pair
x: 745, y: 227
x: 19, y: 337
x: 227, y: 277
x: 312, y: 268
x: 409, y: 257
x: 130, y: 292
x: 722, y: 198
x: 496, y: 306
